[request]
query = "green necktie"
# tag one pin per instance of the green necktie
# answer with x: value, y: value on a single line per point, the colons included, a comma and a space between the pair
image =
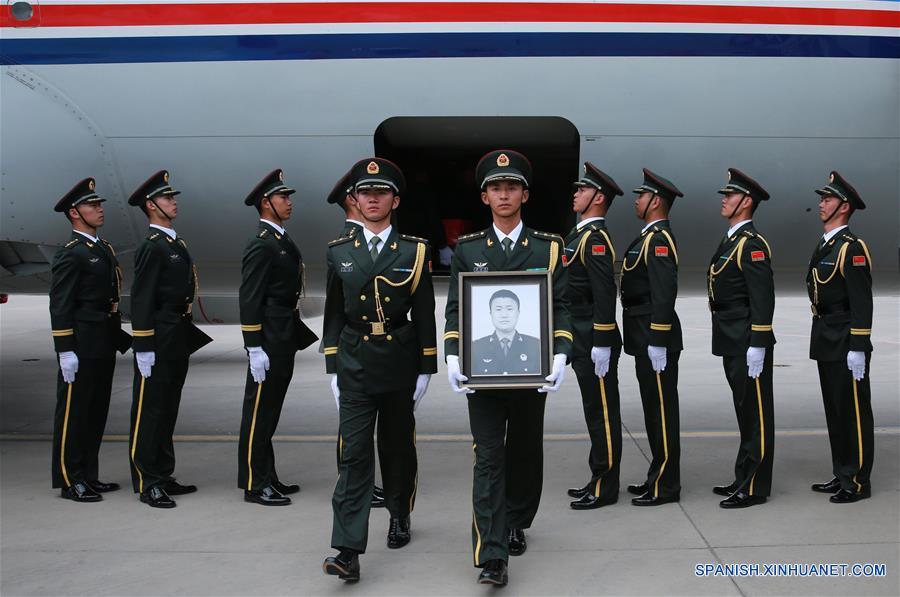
x: 374, y: 250
x: 507, y: 245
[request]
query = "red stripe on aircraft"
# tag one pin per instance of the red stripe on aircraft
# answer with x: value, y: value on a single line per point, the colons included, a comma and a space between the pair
x: 120, y: 15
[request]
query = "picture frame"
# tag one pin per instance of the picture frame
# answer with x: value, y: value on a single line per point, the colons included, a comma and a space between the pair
x: 506, y: 329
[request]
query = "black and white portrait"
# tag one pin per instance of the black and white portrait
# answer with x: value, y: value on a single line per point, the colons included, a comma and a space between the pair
x: 506, y: 328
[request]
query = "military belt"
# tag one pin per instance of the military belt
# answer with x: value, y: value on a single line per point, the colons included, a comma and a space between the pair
x: 820, y: 309
x: 723, y: 306
x: 377, y: 328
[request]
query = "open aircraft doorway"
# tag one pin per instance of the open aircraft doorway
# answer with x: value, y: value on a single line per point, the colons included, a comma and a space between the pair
x: 438, y: 156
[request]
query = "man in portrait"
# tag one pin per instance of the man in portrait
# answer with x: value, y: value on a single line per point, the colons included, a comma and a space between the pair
x: 506, y: 351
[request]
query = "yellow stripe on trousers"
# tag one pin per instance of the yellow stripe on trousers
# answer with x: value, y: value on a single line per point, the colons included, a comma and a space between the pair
x: 250, y: 441
x: 662, y: 410
x: 477, y: 542
x: 65, y: 432
x: 762, y: 434
x: 609, y: 452
x: 412, y: 496
x: 858, y: 435
x: 134, y: 440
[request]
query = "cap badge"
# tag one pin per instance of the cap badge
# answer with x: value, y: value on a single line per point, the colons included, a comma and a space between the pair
x: 729, y: 175
x: 166, y: 177
x: 831, y: 177
x: 503, y: 160
x: 281, y: 175
x: 373, y: 168
x: 91, y: 184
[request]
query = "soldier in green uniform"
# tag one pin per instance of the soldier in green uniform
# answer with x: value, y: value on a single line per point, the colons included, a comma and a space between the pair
x: 271, y: 283
x: 87, y: 331
x: 741, y: 292
x: 342, y: 196
x: 162, y: 296
x: 652, y: 335
x: 380, y: 361
x: 590, y: 260
x: 507, y: 425
x: 839, y: 283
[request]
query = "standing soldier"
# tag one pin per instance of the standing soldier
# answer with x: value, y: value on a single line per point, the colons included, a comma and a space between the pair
x: 380, y: 361
x: 652, y: 335
x: 342, y: 195
x: 590, y: 259
x: 840, y: 288
x: 507, y: 425
x: 87, y: 331
x: 742, y: 301
x: 271, y: 283
x: 162, y: 295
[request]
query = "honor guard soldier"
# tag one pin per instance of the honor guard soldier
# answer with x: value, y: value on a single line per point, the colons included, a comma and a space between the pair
x: 652, y: 335
x: 162, y: 295
x: 87, y: 331
x: 839, y: 283
x: 507, y: 425
x: 590, y: 260
x: 342, y: 196
x: 271, y: 284
x: 741, y: 292
x: 380, y: 361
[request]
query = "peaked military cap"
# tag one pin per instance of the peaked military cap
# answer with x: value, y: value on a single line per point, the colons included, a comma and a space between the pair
x: 738, y: 182
x: 156, y: 185
x: 600, y: 180
x: 272, y: 184
x: 377, y: 173
x: 503, y: 164
x: 839, y: 187
x: 83, y: 192
x: 341, y: 189
x: 656, y: 184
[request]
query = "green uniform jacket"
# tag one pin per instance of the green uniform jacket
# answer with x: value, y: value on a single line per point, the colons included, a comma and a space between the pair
x: 84, y: 299
x: 839, y: 283
x: 522, y: 356
x: 364, y: 299
x: 271, y: 284
x: 162, y: 295
x: 649, y: 289
x: 741, y: 292
x: 534, y: 250
x: 590, y: 260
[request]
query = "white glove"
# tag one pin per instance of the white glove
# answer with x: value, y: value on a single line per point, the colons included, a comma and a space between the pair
x: 856, y: 363
x: 145, y: 362
x: 259, y: 363
x: 454, y: 376
x: 756, y: 355
x: 600, y: 356
x: 336, y: 391
x: 68, y: 364
x: 421, y: 388
x: 657, y: 356
x: 556, y: 376
x: 445, y: 255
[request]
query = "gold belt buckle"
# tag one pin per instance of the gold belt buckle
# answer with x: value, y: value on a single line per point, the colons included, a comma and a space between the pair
x: 114, y: 307
x: 377, y: 328
x: 814, y: 310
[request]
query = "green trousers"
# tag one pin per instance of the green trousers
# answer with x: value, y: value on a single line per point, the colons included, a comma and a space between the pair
x: 659, y: 397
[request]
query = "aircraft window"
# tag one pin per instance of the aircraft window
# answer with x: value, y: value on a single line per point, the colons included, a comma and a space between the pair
x: 22, y: 11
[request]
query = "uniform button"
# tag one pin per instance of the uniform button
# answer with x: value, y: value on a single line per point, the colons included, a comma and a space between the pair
x: 365, y: 338
x: 387, y: 299
x: 389, y: 337
x: 362, y: 297
x: 365, y: 318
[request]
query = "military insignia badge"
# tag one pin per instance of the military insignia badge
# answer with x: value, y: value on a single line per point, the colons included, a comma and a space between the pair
x: 281, y: 175
x: 283, y: 252
x: 166, y: 177
x: 346, y: 267
x: 394, y: 246
x: 523, y: 357
x: 601, y: 249
x: 565, y: 260
x: 859, y: 260
x: 429, y: 265
x: 480, y: 266
x: 91, y: 184
x: 373, y: 168
x: 525, y: 243
x: 94, y: 259
x: 503, y: 160
x: 661, y: 251
x: 175, y: 257
x: 757, y: 256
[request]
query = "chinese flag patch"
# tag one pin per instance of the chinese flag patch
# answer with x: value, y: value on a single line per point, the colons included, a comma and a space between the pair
x: 757, y: 256
x: 662, y: 251
x: 565, y: 259
x: 598, y: 249
x: 429, y: 265
x: 859, y: 260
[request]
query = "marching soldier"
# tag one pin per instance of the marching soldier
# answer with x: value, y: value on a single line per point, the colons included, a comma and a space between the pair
x: 162, y: 295
x: 590, y: 260
x: 87, y: 331
x: 652, y: 335
x: 271, y: 283
x: 839, y: 283
x: 507, y: 425
x: 742, y: 302
x: 380, y: 361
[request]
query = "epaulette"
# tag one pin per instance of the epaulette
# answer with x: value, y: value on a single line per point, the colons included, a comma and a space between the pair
x: 412, y: 238
x: 342, y: 240
x: 547, y: 235
x: 749, y: 233
x: 471, y: 236
x: 849, y: 237
x: 263, y: 233
x: 153, y: 236
x: 72, y: 243
x: 183, y: 244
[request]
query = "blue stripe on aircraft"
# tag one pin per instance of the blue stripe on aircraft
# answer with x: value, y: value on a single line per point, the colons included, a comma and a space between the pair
x: 436, y: 45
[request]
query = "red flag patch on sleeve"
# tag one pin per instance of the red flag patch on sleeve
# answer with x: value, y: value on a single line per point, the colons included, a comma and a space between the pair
x: 598, y: 249
x: 757, y: 255
x: 565, y: 259
x: 662, y: 251
x: 429, y: 265
x: 859, y: 260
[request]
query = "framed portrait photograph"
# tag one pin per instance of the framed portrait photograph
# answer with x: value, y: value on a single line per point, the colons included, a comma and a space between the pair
x: 506, y: 329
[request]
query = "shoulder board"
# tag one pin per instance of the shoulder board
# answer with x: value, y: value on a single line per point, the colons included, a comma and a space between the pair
x: 263, y: 233
x: 181, y: 242
x: 72, y: 243
x: 750, y: 233
x: 153, y: 236
x: 471, y: 236
x: 593, y: 227
x: 341, y: 240
x: 412, y: 238
x: 547, y: 235
x: 849, y: 237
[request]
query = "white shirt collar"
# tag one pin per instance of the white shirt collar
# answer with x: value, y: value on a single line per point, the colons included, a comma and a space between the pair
x: 168, y: 231
x: 278, y: 228
x: 829, y: 235
x: 383, y: 235
x: 513, y: 236
x: 734, y: 228
x: 88, y: 236
x: 644, y: 229
x: 357, y: 222
x: 587, y: 221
